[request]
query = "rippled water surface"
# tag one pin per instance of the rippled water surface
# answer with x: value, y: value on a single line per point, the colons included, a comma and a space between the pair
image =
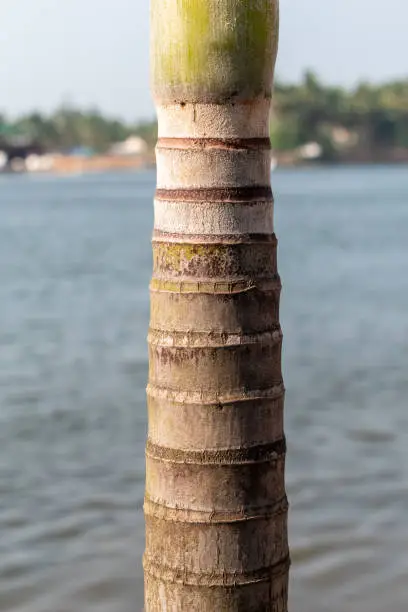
x: 74, y: 270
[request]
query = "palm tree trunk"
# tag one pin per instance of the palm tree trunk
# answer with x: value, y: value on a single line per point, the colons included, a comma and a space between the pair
x: 215, y: 507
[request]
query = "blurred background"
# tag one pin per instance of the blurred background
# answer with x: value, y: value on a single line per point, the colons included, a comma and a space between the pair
x: 77, y: 177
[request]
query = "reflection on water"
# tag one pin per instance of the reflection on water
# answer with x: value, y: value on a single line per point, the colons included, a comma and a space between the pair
x: 74, y: 270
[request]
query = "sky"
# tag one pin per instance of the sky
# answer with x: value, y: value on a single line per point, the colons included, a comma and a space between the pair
x: 95, y: 53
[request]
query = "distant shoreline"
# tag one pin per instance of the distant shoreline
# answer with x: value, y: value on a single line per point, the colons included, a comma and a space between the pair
x: 74, y: 165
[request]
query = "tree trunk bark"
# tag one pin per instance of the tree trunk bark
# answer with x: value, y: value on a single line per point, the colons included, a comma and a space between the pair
x: 215, y: 506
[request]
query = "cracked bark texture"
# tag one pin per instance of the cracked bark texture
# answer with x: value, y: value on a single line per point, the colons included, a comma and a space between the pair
x: 215, y: 505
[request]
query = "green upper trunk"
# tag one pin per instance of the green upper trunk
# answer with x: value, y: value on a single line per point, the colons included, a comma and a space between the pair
x: 212, y: 50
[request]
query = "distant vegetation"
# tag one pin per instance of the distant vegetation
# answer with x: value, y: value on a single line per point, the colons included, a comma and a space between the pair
x: 368, y: 120
x: 69, y: 128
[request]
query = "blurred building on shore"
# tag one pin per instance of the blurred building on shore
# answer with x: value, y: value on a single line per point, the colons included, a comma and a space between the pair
x: 134, y: 145
x: 15, y: 148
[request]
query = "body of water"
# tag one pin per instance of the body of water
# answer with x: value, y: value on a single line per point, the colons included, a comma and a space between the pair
x: 74, y: 270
